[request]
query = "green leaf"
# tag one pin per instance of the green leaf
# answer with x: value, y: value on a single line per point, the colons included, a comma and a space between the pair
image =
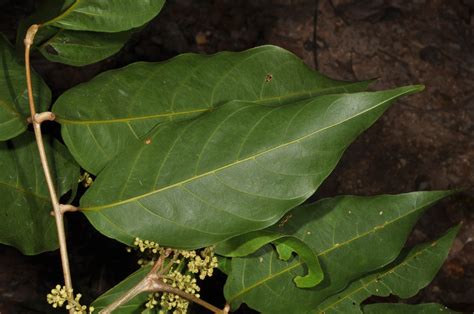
x: 82, y: 32
x: 25, y: 220
x: 250, y: 242
x: 82, y: 48
x: 237, y: 169
x: 106, y: 16
x: 135, y: 305
x: 14, y: 108
x: 350, y: 235
x: 101, y: 117
x: 413, y: 270
x: 400, y: 308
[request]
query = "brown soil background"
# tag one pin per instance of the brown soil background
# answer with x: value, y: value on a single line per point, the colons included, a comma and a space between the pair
x: 423, y: 142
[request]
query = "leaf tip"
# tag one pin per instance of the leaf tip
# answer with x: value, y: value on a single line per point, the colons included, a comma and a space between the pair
x: 419, y: 87
x: 411, y: 89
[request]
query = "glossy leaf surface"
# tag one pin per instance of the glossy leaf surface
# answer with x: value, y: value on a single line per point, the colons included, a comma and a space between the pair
x: 135, y: 305
x: 101, y: 117
x: 412, y: 271
x: 25, y: 220
x: 237, y: 169
x: 106, y: 16
x: 14, y: 108
x: 351, y: 237
x: 400, y: 308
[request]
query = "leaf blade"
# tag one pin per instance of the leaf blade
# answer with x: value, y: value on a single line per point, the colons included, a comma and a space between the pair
x: 130, y: 101
x: 365, y: 241
x: 110, y: 17
x: 405, y: 277
x: 395, y: 308
x: 197, y: 160
x: 25, y: 221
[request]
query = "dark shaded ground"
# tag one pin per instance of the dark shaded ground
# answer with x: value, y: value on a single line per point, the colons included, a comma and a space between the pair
x: 424, y: 142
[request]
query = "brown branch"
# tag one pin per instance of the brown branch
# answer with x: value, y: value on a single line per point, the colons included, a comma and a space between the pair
x: 37, y: 119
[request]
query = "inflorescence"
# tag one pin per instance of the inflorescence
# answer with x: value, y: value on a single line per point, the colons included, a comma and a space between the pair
x: 59, y: 296
x: 180, y: 272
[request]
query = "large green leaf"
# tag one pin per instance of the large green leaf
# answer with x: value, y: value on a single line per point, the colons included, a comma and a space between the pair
x: 25, y: 220
x: 102, y: 116
x: 240, y: 168
x: 14, y: 108
x: 412, y: 271
x: 106, y: 16
x: 350, y: 235
x: 135, y: 305
x: 400, y: 308
x: 81, y: 32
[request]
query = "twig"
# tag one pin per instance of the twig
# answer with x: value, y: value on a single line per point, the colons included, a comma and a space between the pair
x: 140, y: 287
x: 159, y: 286
x: 37, y: 119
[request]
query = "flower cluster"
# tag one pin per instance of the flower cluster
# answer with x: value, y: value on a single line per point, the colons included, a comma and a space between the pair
x: 86, y: 179
x: 148, y: 250
x: 180, y: 273
x: 173, y: 302
x: 59, y: 296
x: 204, y: 263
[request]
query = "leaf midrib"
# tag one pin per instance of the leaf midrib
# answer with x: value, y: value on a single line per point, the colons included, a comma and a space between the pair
x: 310, y: 93
x: 242, y: 160
x: 347, y: 242
x: 125, y: 120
